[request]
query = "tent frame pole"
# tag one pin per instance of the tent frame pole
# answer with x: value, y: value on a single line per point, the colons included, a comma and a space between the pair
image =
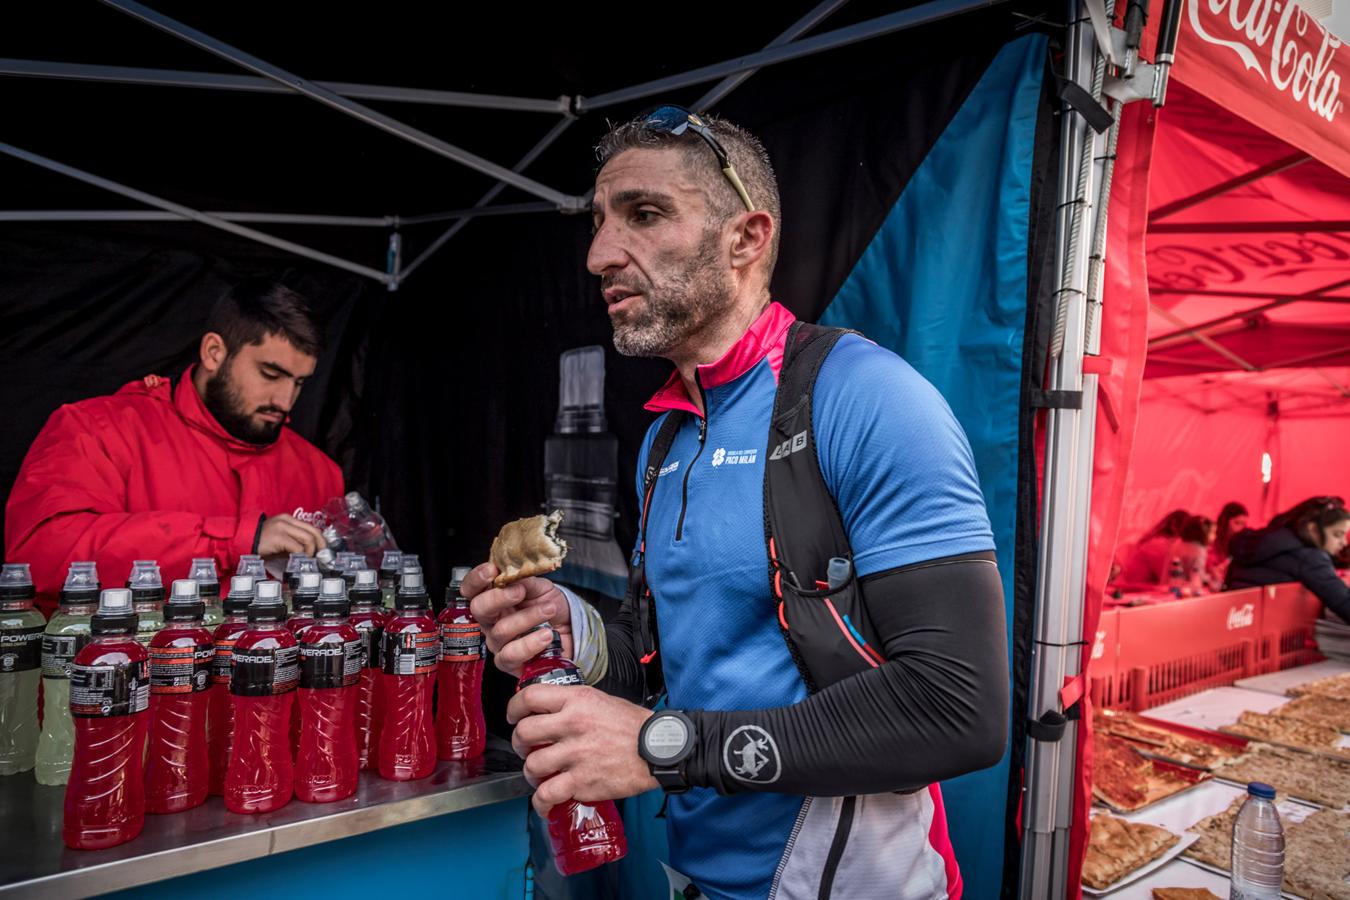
x: 1048, y: 801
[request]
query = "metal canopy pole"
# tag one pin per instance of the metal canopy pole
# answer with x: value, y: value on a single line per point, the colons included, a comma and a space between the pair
x: 40, y: 68
x: 564, y: 202
x: 194, y: 215
x: 1061, y: 565
x: 1232, y: 184
x: 151, y: 215
x: 899, y: 21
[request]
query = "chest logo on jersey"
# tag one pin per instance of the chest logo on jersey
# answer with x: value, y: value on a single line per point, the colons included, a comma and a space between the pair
x: 724, y: 457
x: 790, y: 446
x: 670, y: 469
x: 751, y: 754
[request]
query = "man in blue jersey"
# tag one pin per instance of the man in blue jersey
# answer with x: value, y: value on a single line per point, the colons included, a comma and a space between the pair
x: 774, y: 791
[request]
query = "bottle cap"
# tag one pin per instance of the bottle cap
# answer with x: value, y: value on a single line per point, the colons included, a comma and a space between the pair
x: 115, y: 614
x: 145, y: 581
x: 332, y: 602
x: 251, y: 564
x: 306, y: 591
x: 354, y: 563
x: 409, y: 563
x: 16, y: 583
x: 81, y: 584
x: 1261, y: 789
x: 240, y: 595
x: 412, y: 593
x: 267, y: 606
x: 268, y: 590
x: 203, y: 571
x: 366, y: 587
x: 294, y: 561
x: 185, y: 602
x: 392, y: 562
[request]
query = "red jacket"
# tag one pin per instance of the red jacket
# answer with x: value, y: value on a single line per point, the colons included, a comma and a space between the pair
x: 148, y: 473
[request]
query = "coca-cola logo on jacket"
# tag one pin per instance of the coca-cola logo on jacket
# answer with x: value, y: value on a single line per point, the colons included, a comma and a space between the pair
x: 1278, y: 41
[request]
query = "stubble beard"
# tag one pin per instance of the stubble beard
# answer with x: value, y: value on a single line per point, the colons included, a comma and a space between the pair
x: 690, y: 297
x: 223, y: 401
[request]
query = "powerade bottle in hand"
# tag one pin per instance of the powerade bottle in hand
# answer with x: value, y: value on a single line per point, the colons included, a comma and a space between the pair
x: 219, y: 705
x: 66, y: 635
x: 326, y: 765
x: 21, y: 629
x: 177, y: 770
x: 147, y: 596
x: 109, y: 700
x: 390, y: 567
x: 582, y: 835
x: 460, y: 730
x: 262, y: 685
x: 1258, y: 847
x: 411, y: 647
x: 203, y: 572
x: 367, y: 617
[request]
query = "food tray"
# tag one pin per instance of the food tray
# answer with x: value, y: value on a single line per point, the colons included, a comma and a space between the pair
x: 1189, y: 778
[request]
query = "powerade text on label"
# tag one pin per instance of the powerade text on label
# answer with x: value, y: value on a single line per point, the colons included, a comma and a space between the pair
x: 561, y: 675
x: 99, y: 691
x: 181, y: 670
x: 262, y: 672
x: 58, y: 653
x: 411, y: 653
x: 461, y: 642
x: 372, y: 636
x: 332, y: 665
x: 222, y: 661
x: 21, y: 648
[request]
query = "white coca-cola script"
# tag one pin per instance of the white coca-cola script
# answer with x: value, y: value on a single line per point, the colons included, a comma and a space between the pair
x: 1241, y: 616
x: 1269, y: 37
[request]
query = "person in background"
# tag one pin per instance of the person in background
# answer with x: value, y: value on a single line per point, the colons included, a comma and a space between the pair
x: 1191, y: 550
x: 1297, y: 545
x: 1232, y: 519
x: 1147, y: 565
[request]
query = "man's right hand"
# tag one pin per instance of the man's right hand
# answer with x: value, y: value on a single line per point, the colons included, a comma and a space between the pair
x: 287, y: 534
x: 507, y: 614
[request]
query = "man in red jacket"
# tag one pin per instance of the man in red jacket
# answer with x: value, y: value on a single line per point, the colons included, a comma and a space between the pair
x: 171, y: 470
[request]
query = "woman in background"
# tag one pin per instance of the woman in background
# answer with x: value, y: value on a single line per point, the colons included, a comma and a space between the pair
x: 1232, y: 519
x: 1147, y: 566
x: 1297, y: 545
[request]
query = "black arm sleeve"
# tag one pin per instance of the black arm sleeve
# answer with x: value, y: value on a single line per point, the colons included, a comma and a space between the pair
x: 937, y: 708
x: 623, y: 675
x: 1318, y: 574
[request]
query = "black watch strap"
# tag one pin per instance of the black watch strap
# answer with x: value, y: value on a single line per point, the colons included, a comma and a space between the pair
x: 667, y: 741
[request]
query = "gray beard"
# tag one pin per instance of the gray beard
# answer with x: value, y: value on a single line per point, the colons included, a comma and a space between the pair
x: 689, y: 299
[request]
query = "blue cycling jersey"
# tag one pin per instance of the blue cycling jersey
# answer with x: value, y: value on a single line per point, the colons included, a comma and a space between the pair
x: 903, y: 475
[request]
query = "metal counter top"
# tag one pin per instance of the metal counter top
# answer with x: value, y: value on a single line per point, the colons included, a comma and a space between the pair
x: 35, y: 863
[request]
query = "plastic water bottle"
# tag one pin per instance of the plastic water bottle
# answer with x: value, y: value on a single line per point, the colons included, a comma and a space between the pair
x: 181, y: 655
x: 460, y: 730
x: 368, y: 617
x: 581, y: 835
x: 203, y: 572
x: 1258, y: 847
x: 147, y: 597
x: 109, y: 700
x: 66, y: 635
x: 219, y: 706
x: 412, y: 644
x: 326, y: 765
x: 21, y: 629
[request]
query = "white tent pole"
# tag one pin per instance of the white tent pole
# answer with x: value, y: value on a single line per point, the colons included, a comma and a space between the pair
x: 195, y: 215
x: 41, y: 68
x: 564, y: 202
x: 1061, y: 564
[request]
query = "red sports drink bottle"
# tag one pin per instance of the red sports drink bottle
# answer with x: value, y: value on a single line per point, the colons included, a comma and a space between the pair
x: 219, y: 705
x: 330, y: 667
x: 262, y: 686
x: 367, y: 617
x: 303, y: 598
x: 460, y: 730
x: 181, y: 655
x: 411, y: 647
x: 109, y: 699
x: 582, y: 835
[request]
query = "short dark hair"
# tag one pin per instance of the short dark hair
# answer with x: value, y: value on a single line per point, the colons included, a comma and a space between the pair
x: 745, y: 151
x: 254, y: 309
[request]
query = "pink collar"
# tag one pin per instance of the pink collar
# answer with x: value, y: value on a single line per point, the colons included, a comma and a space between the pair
x: 764, y: 339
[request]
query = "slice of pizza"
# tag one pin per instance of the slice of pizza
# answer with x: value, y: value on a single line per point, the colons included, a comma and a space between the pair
x: 1337, y: 687
x: 1319, y: 710
x: 1317, y: 856
x: 528, y: 547
x: 1306, y: 776
x: 1184, y: 893
x: 1116, y: 848
x: 1291, y: 732
x: 1119, y: 772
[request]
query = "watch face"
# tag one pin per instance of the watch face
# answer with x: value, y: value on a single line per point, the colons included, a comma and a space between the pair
x: 666, y: 738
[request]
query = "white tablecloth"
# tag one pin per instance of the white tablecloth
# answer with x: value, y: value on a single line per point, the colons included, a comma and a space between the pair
x: 1279, y: 682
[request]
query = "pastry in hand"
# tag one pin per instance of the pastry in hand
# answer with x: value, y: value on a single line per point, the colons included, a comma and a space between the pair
x: 527, y: 547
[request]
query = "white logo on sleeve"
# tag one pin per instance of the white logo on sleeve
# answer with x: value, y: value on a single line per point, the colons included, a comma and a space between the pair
x: 750, y: 754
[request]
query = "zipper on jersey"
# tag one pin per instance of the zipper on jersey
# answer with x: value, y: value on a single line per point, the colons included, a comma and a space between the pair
x: 702, y: 437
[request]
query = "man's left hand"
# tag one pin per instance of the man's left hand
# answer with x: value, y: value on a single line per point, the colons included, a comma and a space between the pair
x: 578, y: 743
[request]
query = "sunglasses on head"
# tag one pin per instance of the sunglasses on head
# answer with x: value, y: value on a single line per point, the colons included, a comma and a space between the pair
x: 676, y: 120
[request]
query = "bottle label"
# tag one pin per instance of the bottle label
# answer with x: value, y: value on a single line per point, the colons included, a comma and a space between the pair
x: 462, y: 642
x: 412, y: 652
x: 223, y: 661
x: 562, y: 674
x: 372, y: 637
x: 265, y: 672
x: 58, y: 653
x: 181, y: 670
x: 100, y: 691
x: 331, y: 665
x: 21, y: 648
